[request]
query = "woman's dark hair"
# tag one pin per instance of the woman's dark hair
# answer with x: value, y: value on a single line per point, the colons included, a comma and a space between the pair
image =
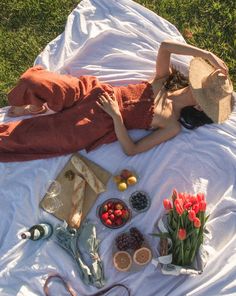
x: 190, y: 117
x: 176, y: 80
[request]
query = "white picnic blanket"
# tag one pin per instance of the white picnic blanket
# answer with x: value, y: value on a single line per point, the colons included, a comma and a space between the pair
x: 118, y: 42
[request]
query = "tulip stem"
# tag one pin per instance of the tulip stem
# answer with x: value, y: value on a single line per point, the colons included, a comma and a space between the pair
x: 182, y: 253
x: 181, y: 222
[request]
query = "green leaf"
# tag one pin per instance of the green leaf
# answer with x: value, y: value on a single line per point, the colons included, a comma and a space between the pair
x: 174, y: 224
x: 192, y: 232
x: 206, y: 218
x: 161, y: 234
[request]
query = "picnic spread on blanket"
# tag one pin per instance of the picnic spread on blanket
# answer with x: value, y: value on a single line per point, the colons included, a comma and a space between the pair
x: 181, y: 236
x: 95, y: 221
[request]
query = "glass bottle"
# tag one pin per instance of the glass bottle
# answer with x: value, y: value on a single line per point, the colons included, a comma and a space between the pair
x: 38, y: 231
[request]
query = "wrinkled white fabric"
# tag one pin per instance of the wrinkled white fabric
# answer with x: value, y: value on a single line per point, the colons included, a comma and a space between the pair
x: 118, y: 42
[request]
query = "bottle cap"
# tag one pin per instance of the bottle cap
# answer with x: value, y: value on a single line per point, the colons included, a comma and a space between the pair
x: 25, y: 235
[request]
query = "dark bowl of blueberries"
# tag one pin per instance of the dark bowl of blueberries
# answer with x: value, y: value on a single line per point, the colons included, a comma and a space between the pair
x: 139, y: 201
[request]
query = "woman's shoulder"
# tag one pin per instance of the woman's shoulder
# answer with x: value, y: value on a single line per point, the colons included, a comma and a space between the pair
x: 158, y: 80
x: 157, y: 83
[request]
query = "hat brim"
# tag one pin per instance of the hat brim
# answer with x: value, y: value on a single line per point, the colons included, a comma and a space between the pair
x: 217, y: 111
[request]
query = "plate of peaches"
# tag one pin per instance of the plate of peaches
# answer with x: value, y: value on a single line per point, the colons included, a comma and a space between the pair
x: 125, y: 178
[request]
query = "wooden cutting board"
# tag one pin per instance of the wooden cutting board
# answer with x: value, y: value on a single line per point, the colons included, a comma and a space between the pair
x: 65, y: 178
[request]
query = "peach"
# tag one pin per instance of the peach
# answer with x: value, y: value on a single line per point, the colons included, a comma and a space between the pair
x: 125, y: 174
x: 117, y: 179
x: 131, y: 180
x: 122, y: 186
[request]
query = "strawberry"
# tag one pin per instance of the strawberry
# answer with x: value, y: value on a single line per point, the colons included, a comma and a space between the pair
x: 118, y: 213
x: 110, y: 211
x: 104, y: 216
x: 118, y: 221
x: 111, y: 217
x: 105, y: 208
x: 110, y: 205
x: 108, y: 222
x: 125, y: 214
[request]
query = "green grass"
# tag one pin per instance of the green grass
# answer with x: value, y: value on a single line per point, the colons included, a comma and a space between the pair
x: 211, y: 24
x: 28, y: 25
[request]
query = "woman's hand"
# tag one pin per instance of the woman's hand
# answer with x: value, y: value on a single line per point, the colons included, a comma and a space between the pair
x: 217, y: 62
x: 109, y: 104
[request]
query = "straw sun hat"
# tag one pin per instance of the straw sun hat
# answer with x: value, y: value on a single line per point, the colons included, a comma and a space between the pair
x: 211, y: 89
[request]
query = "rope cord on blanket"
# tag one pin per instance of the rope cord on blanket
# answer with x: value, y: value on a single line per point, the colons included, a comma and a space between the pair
x: 72, y: 291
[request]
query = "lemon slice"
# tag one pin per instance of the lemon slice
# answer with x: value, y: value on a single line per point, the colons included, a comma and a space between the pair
x: 142, y: 256
x: 122, y: 261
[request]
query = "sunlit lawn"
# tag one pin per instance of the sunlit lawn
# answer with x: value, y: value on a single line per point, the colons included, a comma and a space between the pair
x: 26, y: 27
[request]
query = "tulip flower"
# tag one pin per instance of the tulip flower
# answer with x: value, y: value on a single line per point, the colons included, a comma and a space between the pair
x: 202, y: 206
x: 182, y: 234
x: 167, y: 204
x: 186, y: 219
x: 195, y: 208
x: 174, y: 195
x: 181, y: 195
x: 191, y: 215
x: 197, y: 223
x: 175, y: 192
x: 187, y: 196
x: 200, y: 197
x: 187, y: 205
x: 179, y: 206
x: 193, y: 199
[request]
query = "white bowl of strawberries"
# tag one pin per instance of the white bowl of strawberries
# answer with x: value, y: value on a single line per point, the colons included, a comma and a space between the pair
x: 114, y: 213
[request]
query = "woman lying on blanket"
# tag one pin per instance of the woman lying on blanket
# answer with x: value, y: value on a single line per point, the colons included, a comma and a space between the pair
x: 89, y: 113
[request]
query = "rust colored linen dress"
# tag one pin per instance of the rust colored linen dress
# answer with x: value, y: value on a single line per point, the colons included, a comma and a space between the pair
x: 78, y: 122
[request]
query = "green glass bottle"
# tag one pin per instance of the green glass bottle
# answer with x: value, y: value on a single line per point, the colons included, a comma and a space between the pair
x: 38, y: 231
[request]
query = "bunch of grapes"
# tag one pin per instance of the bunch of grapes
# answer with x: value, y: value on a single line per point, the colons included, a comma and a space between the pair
x: 132, y: 240
x: 137, y: 238
x: 123, y: 242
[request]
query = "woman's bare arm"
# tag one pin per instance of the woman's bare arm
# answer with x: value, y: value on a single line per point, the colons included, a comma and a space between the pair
x: 110, y: 106
x: 155, y: 138
x: 168, y: 47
